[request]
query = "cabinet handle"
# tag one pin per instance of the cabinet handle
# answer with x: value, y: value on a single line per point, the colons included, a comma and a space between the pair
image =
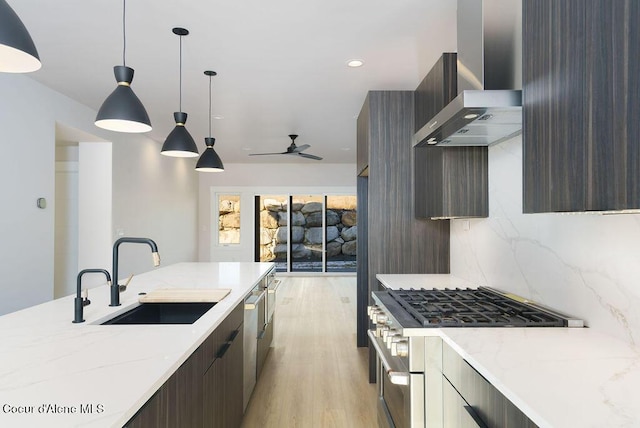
x: 476, y: 418
x: 262, y: 333
x: 233, y: 336
x: 223, y: 350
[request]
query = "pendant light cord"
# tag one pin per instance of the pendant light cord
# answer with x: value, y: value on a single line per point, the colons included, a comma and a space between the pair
x: 180, y: 103
x: 124, y: 32
x: 209, y: 106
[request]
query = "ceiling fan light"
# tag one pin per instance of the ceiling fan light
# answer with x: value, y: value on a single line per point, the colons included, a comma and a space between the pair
x: 123, y: 111
x: 179, y: 142
x: 18, y: 53
x: 209, y: 160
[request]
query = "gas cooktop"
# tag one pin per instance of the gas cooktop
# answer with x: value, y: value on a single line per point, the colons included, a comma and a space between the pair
x: 481, y: 307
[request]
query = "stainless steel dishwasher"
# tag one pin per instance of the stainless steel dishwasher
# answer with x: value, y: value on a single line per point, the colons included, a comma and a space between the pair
x: 254, y: 312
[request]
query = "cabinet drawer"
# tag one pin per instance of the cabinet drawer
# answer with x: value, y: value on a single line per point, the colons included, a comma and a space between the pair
x: 211, y: 346
x: 457, y: 412
x: 493, y: 408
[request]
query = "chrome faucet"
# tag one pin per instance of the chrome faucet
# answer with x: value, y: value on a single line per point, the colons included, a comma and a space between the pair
x: 82, y: 298
x: 115, y: 288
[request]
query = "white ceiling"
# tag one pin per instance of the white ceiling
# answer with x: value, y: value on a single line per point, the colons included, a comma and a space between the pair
x: 281, y: 64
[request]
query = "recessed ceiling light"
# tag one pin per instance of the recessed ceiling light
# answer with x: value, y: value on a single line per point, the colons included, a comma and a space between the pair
x: 217, y: 117
x: 354, y: 63
x: 471, y: 116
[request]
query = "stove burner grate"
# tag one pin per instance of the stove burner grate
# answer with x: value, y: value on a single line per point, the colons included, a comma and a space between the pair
x: 471, y: 308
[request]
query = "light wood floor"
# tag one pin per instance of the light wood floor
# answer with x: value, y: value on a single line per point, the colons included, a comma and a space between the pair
x: 314, y: 375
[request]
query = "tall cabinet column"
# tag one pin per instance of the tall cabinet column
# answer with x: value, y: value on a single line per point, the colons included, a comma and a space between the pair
x: 397, y: 242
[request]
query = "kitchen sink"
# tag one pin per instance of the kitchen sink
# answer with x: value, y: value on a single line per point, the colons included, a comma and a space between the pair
x: 162, y: 313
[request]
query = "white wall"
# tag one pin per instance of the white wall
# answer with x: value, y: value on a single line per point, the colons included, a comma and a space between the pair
x: 66, y: 228
x: 95, y: 195
x: 153, y: 196
x: 586, y: 265
x: 262, y: 178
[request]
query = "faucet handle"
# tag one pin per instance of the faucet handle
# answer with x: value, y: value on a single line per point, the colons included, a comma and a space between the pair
x: 85, y: 297
x: 123, y: 287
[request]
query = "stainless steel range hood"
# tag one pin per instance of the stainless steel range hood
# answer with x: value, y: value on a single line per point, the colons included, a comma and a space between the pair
x: 488, y: 108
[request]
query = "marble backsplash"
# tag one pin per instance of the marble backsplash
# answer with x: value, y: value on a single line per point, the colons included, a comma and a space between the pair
x: 586, y: 265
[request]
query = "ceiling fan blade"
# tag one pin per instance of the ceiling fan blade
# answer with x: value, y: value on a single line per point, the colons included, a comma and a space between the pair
x: 301, y: 148
x: 263, y: 154
x: 306, y: 155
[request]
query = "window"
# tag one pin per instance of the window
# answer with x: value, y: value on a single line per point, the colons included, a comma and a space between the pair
x: 228, y: 219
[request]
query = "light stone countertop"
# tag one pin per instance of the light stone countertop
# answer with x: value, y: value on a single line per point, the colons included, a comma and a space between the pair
x: 49, y: 364
x: 559, y: 377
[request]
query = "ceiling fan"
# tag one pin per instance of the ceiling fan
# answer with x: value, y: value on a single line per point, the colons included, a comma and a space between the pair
x: 292, y: 150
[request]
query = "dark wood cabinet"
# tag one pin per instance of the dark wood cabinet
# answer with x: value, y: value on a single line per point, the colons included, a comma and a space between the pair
x: 223, y: 386
x: 206, y: 391
x: 449, y: 182
x: 178, y: 402
x: 581, y: 80
x: 396, y: 241
x: 362, y: 142
x: 436, y: 90
x: 223, y: 379
x: 469, y: 400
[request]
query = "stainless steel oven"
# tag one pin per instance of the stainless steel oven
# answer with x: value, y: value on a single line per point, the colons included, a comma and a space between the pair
x: 398, y: 389
x: 266, y: 330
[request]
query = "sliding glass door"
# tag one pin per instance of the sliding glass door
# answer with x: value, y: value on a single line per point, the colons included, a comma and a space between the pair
x: 306, y: 233
x: 341, y: 231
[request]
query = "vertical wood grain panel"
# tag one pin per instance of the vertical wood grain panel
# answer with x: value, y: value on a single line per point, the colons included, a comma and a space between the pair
x: 632, y: 23
x: 581, y: 103
x: 466, y: 182
x: 428, y: 181
x: 362, y: 267
x: 554, y: 105
x: 436, y: 90
x: 362, y: 139
x: 611, y: 54
x: 398, y: 242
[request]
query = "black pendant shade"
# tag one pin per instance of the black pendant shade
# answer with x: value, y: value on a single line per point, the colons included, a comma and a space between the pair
x: 209, y: 160
x: 18, y: 53
x: 123, y: 111
x: 179, y: 142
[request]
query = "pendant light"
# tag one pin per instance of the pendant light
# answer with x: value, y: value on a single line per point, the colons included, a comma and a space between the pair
x: 209, y: 161
x: 123, y: 111
x: 18, y: 54
x: 179, y: 142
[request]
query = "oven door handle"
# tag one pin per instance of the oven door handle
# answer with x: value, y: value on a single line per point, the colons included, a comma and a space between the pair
x: 395, y: 377
x: 252, y: 302
x: 272, y: 290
